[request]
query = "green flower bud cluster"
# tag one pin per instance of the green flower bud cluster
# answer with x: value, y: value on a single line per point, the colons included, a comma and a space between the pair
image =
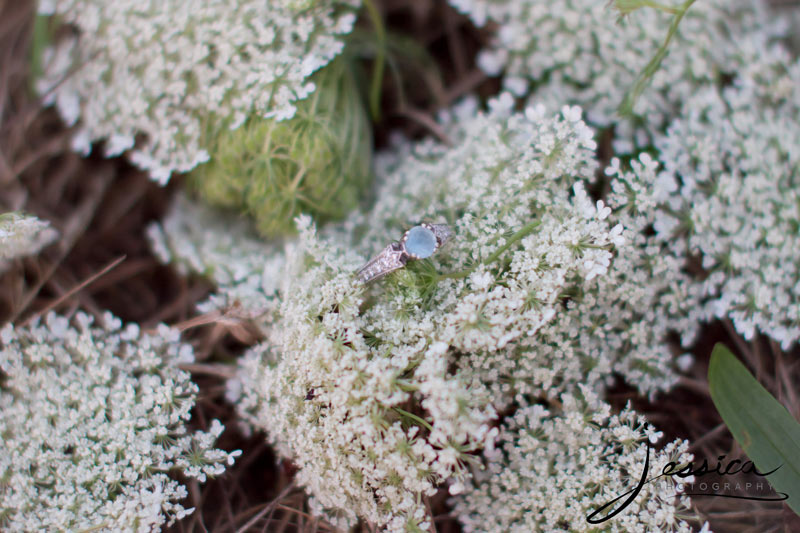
x: 317, y: 162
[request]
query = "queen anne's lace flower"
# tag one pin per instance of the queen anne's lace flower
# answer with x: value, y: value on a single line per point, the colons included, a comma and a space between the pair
x: 22, y: 235
x: 616, y: 323
x: 733, y: 199
x: 377, y: 393
x: 93, y: 422
x: 555, y: 466
x: 318, y: 163
x: 575, y: 51
x: 174, y: 70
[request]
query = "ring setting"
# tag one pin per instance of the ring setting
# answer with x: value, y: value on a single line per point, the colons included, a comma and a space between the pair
x: 419, y: 242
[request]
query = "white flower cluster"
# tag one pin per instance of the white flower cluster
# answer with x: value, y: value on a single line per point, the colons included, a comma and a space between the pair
x: 223, y: 247
x: 556, y: 465
x: 378, y: 393
x: 616, y: 323
x: 575, y: 52
x: 174, y: 70
x: 727, y: 194
x: 731, y: 198
x: 94, y: 424
x: 22, y: 235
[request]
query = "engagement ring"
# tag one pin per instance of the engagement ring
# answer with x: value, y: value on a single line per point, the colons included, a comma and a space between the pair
x: 417, y: 243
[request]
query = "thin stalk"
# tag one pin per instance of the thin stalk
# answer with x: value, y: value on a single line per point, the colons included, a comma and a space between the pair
x: 380, y: 59
x: 661, y: 7
x: 415, y: 418
x: 520, y: 234
x: 626, y: 107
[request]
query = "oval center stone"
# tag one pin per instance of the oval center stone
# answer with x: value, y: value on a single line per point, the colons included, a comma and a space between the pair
x: 421, y: 242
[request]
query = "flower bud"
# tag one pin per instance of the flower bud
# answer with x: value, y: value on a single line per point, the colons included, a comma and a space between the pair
x: 317, y: 162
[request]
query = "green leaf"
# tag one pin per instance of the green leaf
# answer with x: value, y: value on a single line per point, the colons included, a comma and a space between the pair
x: 42, y: 38
x: 763, y: 427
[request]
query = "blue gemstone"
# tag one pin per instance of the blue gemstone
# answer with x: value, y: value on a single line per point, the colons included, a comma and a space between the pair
x: 420, y: 241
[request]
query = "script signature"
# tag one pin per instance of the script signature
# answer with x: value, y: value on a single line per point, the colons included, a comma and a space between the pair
x: 672, y: 469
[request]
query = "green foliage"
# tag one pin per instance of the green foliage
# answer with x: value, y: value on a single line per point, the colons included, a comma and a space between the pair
x: 766, y: 431
x: 42, y: 37
x: 317, y: 162
x: 380, y: 56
